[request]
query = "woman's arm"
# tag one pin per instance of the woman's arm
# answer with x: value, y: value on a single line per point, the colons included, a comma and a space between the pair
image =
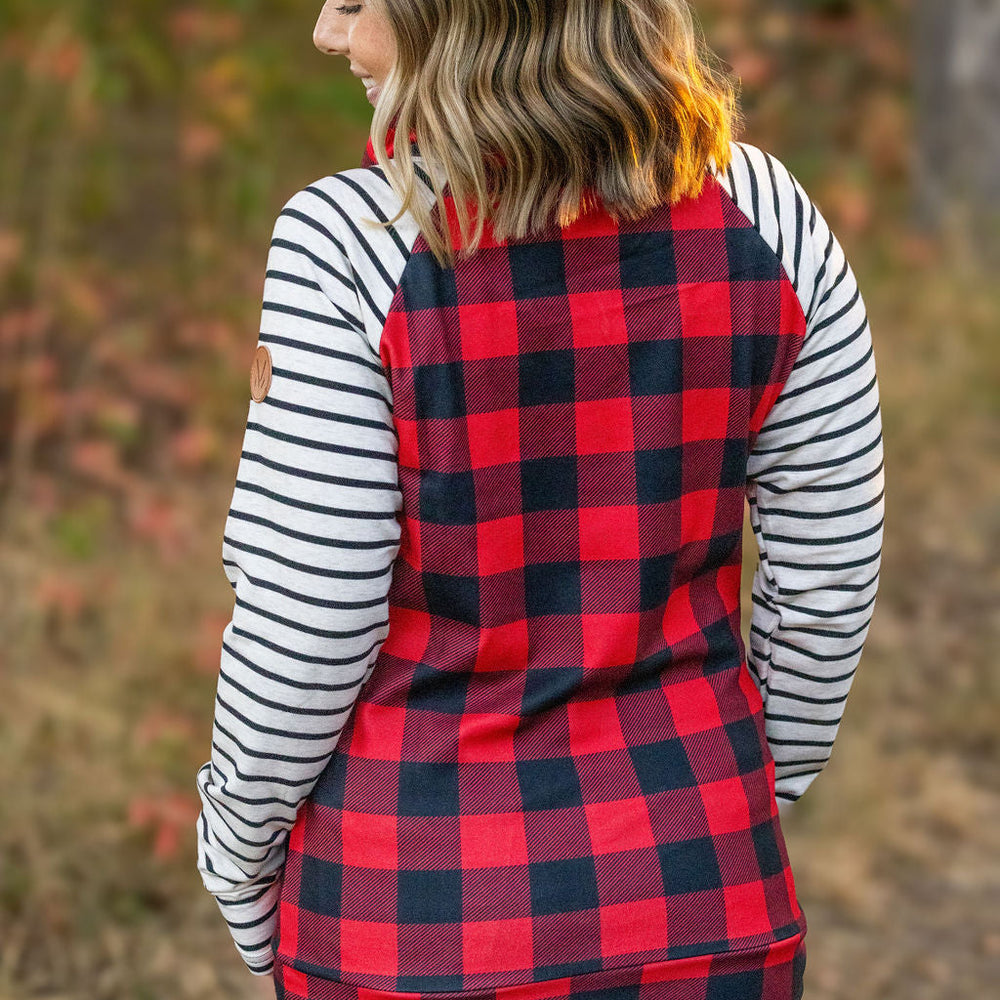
x: 816, y: 494
x: 308, y: 547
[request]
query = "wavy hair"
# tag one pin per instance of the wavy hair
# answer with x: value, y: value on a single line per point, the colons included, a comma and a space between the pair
x: 538, y: 107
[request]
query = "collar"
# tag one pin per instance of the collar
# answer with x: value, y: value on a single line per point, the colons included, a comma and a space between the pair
x: 369, y: 157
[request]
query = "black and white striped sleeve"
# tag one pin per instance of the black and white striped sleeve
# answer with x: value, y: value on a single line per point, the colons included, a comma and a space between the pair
x: 308, y: 547
x: 816, y: 495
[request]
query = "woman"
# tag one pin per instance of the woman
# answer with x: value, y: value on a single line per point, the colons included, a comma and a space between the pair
x: 485, y: 725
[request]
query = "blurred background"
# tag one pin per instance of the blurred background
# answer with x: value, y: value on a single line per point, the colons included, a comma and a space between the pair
x: 146, y: 147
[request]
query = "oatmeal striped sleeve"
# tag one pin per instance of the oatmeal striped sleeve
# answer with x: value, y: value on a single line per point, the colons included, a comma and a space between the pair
x: 308, y: 547
x: 815, y: 486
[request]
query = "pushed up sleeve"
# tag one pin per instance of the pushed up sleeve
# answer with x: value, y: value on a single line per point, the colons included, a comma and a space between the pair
x: 308, y: 547
x: 816, y: 496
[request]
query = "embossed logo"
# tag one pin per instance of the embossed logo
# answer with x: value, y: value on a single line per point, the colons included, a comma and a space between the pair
x: 260, y: 373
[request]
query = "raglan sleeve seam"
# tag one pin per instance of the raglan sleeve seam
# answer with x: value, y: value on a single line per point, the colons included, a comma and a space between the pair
x: 308, y: 547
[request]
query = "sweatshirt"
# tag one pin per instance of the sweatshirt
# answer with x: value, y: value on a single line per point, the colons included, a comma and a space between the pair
x: 533, y: 468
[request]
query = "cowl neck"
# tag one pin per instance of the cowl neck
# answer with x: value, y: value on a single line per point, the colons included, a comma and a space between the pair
x: 390, y: 137
x: 369, y: 160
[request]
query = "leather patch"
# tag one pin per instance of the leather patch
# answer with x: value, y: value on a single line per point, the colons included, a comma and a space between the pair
x: 260, y: 373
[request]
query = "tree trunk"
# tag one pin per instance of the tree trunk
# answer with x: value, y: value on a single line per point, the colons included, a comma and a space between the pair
x: 957, y: 69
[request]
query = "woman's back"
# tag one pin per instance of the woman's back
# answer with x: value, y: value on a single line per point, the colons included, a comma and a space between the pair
x: 557, y: 763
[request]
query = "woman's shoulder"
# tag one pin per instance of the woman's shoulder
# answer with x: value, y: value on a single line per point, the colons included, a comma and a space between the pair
x: 755, y: 177
x: 340, y: 206
x: 789, y: 221
x: 337, y: 219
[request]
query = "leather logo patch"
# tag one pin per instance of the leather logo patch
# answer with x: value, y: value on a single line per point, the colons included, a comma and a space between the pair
x: 260, y: 373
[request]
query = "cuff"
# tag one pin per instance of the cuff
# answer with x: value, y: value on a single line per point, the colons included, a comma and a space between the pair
x: 253, y: 924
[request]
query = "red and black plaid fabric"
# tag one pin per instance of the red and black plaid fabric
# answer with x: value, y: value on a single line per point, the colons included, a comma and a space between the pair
x: 772, y: 973
x: 558, y: 768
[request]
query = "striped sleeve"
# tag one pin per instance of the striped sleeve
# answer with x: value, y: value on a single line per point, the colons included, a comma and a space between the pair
x: 815, y: 489
x: 308, y: 547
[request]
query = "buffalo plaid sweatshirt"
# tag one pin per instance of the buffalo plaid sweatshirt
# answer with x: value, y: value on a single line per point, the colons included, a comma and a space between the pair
x: 484, y: 715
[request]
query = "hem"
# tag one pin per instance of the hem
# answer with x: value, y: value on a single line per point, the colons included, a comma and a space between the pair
x: 769, y: 972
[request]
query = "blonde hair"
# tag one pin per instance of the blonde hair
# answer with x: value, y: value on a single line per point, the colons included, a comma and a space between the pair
x: 533, y: 107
